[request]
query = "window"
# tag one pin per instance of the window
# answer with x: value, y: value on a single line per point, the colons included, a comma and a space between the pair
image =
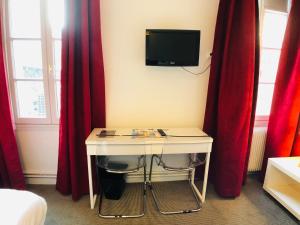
x: 273, y: 28
x: 33, y: 42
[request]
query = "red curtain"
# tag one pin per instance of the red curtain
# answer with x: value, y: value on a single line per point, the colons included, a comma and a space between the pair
x: 229, y: 115
x: 283, y: 138
x: 11, y: 175
x: 82, y: 93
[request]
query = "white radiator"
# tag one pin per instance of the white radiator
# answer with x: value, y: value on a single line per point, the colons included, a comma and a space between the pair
x: 257, y: 149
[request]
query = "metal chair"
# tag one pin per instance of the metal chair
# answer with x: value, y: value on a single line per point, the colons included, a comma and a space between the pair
x: 194, y: 161
x: 105, y: 164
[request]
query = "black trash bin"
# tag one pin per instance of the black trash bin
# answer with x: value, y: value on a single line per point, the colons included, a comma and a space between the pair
x: 112, y: 184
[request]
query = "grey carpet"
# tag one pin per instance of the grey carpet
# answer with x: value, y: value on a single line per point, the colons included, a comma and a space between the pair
x: 252, y: 207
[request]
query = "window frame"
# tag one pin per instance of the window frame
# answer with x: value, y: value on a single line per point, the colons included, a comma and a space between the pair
x: 48, y: 78
x: 263, y: 120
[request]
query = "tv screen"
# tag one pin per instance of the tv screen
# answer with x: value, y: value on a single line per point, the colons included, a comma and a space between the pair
x: 172, y: 47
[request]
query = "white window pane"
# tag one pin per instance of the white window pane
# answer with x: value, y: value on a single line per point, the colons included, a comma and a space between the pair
x: 57, y: 91
x: 274, y: 25
x: 57, y: 58
x: 27, y: 59
x: 264, y: 99
x: 25, y: 18
x: 31, y: 99
x: 56, y: 13
x: 269, y: 65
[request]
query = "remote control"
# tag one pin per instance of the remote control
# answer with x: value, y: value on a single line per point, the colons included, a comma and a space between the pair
x: 161, y: 132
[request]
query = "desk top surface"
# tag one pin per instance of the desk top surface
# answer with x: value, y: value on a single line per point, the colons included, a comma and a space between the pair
x: 126, y: 136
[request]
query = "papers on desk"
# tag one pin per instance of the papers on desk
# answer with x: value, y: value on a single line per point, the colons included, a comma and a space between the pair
x: 129, y: 132
x: 143, y: 133
x: 137, y: 133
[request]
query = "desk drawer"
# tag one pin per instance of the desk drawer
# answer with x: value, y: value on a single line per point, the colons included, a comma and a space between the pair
x: 118, y: 149
x: 180, y: 148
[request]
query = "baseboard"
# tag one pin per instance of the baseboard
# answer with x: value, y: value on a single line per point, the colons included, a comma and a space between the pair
x: 36, y: 178
x: 50, y: 179
x: 160, y: 176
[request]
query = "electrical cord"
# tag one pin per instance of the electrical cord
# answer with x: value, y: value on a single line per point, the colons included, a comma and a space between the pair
x: 201, y: 72
x: 205, y: 69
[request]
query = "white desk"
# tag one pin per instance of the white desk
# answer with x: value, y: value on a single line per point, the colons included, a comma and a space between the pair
x: 282, y: 181
x: 128, y: 145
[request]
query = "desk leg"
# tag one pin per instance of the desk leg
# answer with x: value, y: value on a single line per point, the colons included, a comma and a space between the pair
x: 92, y: 200
x: 205, y: 176
x: 202, y: 195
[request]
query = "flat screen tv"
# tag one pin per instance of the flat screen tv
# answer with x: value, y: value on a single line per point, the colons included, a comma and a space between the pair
x: 172, y: 47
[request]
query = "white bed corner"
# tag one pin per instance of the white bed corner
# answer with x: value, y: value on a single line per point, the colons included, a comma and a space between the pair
x: 21, y: 208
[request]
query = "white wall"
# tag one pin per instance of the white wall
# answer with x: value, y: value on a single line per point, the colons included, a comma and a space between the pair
x: 38, y: 146
x: 145, y: 96
x: 137, y: 95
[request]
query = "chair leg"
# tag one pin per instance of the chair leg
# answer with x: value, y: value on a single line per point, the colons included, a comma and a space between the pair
x: 198, y: 208
x: 151, y: 165
x: 144, y: 186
